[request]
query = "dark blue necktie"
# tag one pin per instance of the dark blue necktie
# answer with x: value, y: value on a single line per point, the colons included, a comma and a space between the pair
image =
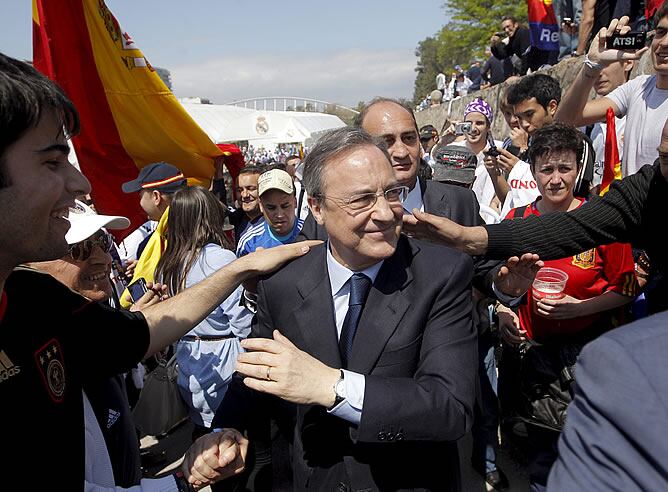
x: 359, y: 288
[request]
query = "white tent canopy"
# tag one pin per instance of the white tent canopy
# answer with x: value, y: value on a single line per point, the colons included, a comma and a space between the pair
x: 267, y: 129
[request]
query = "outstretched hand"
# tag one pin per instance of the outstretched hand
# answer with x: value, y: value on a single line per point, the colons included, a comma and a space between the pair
x: 471, y: 240
x: 517, y: 275
x: 599, y: 53
x: 265, y: 261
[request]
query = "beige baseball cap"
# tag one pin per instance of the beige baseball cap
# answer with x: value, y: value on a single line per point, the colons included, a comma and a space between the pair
x: 276, y: 179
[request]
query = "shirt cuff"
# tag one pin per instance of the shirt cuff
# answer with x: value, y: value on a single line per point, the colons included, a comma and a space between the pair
x: 350, y: 408
x: 505, y: 299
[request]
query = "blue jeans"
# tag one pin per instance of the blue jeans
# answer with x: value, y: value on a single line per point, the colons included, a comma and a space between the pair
x: 486, y: 422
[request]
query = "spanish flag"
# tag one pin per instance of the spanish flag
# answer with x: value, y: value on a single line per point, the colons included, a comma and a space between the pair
x: 129, y: 118
x: 613, y: 167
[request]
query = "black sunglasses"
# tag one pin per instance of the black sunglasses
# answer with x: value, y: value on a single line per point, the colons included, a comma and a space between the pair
x: 82, y: 250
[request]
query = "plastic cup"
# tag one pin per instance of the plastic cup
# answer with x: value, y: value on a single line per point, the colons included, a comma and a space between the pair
x: 549, y: 284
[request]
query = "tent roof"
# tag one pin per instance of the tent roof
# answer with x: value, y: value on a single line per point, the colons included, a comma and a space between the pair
x: 225, y: 123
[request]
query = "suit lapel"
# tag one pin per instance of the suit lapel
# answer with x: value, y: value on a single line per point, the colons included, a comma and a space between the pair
x: 435, y: 201
x: 315, y: 313
x: 385, y: 307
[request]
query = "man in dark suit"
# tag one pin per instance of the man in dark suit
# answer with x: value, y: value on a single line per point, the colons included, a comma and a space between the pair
x: 377, y: 350
x: 615, y: 435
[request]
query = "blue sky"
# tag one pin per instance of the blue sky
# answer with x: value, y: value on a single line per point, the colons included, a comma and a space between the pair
x: 340, y: 51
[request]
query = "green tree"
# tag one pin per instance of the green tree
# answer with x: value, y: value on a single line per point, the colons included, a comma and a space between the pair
x: 427, y: 68
x: 464, y: 38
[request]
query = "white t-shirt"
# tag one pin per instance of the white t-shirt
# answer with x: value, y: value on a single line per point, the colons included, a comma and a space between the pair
x: 523, y: 188
x: 598, y: 135
x: 646, y: 109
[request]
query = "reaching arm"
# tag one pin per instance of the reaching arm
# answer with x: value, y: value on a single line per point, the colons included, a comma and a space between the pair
x: 586, y: 24
x: 174, y: 317
x: 574, y: 108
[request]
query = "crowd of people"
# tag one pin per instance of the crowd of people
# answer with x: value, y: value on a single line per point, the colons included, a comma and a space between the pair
x: 321, y: 342
x: 514, y: 50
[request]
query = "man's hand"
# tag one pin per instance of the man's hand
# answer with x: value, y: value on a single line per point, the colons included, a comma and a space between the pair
x: 492, y: 166
x: 279, y: 368
x: 214, y: 457
x: 506, y: 160
x: 267, y: 260
x: 565, y: 308
x: 519, y: 138
x: 156, y: 292
x: 517, y: 275
x: 598, y: 53
x: 509, y: 326
x: 470, y: 240
x: 129, y: 268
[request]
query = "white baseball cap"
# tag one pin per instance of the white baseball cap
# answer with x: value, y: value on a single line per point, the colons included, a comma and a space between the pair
x: 276, y: 179
x: 84, y: 222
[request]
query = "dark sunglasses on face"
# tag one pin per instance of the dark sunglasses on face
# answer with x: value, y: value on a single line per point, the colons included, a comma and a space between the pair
x: 82, y: 250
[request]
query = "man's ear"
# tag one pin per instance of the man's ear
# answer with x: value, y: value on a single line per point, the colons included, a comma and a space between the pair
x: 316, y: 209
x: 552, y: 107
x: 157, y: 197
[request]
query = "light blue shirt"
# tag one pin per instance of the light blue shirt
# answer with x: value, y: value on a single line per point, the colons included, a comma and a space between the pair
x: 414, y: 199
x: 350, y: 408
x: 206, y: 366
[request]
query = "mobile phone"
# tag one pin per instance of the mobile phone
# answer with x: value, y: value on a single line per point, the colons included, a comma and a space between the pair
x: 633, y: 40
x: 137, y: 289
x: 463, y: 128
x: 491, y: 151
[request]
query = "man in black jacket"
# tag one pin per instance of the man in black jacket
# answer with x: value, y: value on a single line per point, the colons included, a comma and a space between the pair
x: 519, y: 44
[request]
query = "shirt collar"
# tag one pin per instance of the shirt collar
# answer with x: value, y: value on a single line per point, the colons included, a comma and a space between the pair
x: 414, y: 198
x: 339, y: 275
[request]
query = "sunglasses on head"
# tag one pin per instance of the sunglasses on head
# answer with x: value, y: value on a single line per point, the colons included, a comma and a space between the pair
x: 82, y: 250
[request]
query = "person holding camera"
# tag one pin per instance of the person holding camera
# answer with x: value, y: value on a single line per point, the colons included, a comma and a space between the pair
x: 643, y: 100
x: 478, y: 117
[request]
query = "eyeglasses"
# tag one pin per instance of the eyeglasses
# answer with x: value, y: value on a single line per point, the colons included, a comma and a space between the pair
x: 82, y: 250
x: 364, y: 201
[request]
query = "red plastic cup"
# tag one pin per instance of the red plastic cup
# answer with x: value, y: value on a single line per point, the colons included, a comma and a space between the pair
x: 549, y: 284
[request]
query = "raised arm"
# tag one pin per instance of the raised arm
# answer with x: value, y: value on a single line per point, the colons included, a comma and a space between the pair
x: 575, y: 109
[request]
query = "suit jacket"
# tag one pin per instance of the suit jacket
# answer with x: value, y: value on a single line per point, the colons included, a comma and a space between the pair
x: 453, y: 202
x: 416, y: 345
x: 615, y: 434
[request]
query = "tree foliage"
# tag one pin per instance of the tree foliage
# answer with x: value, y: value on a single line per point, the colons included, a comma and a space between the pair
x: 463, y: 39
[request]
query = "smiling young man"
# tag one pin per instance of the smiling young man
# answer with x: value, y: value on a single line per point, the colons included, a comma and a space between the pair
x: 378, y: 352
x: 643, y: 99
x: 535, y: 100
x: 278, y: 204
x: 47, y: 347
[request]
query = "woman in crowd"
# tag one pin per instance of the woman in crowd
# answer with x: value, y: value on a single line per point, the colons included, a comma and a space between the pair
x: 196, y: 248
x: 600, y: 281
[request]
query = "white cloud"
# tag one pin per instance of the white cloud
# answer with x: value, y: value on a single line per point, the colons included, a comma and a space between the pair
x: 344, y: 77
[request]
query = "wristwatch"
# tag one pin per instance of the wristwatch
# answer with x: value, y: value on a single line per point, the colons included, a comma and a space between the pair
x: 339, y: 390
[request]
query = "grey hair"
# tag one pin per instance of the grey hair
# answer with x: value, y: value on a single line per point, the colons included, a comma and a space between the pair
x: 328, y: 147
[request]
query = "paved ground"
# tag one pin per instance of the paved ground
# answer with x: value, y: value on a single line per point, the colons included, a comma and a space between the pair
x: 177, y: 442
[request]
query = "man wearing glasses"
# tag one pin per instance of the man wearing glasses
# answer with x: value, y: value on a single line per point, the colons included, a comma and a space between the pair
x: 378, y: 352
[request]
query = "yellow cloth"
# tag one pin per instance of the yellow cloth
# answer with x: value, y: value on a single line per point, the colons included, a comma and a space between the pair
x: 148, y: 261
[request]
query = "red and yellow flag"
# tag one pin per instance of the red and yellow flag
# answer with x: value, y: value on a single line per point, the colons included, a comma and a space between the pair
x: 129, y: 118
x: 612, y: 169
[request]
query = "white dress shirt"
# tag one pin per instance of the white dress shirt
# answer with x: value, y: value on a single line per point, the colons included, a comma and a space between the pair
x: 350, y: 408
